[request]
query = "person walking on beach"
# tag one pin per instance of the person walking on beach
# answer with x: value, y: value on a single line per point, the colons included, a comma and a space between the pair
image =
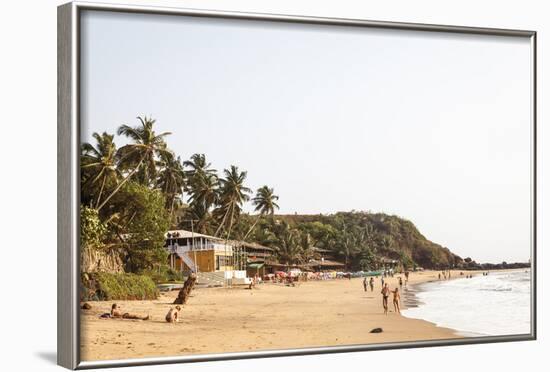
x: 371, y: 283
x: 400, y: 282
x: 396, y: 298
x: 382, y: 280
x: 385, y: 294
x: 365, y: 283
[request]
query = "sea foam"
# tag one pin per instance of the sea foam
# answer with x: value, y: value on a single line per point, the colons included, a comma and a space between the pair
x: 496, y: 304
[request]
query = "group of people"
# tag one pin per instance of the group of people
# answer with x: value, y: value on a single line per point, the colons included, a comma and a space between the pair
x: 171, y: 317
x: 446, y: 274
x: 396, y: 298
x: 368, y: 283
x: 386, y: 292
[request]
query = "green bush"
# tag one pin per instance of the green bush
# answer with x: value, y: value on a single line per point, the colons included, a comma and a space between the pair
x: 163, y: 274
x: 125, y: 286
x: 92, y: 231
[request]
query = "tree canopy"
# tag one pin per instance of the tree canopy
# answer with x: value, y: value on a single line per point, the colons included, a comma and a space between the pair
x: 132, y: 195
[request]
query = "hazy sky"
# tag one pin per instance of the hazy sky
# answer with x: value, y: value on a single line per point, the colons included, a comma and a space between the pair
x: 432, y: 127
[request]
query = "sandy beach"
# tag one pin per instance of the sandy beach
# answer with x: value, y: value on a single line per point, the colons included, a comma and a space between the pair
x: 272, y: 316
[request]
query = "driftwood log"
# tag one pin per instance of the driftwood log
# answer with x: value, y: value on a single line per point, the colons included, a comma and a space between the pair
x: 184, y: 293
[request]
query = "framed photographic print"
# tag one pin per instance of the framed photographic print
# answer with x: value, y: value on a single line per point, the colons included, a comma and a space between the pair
x: 239, y: 185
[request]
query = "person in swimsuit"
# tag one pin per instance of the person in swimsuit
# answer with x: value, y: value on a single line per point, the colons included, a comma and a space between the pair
x: 385, y: 294
x: 396, y: 298
x: 371, y: 283
x: 116, y: 313
x: 365, y: 283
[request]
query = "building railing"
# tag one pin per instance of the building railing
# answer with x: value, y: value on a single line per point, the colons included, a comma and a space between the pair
x: 173, y: 248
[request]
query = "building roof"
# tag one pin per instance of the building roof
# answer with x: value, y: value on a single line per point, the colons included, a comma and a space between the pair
x: 321, y: 250
x: 188, y: 234
x: 251, y: 245
x: 259, y: 254
x: 388, y: 260
x: 324, y: 263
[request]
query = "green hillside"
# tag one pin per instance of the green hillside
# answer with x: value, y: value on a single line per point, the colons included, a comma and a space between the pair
x: 363, y: 240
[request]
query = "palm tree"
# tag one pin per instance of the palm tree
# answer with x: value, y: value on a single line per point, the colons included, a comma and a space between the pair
x: 265, y: 203
x: 287, y: 244
x: 202, y: 187
x: 348, y: 244
x: 171, y: 178
x: 99, y: 163
x: 198, y: 165
x: 232, y: 195
x: 306, y: 244
x: 202, y: 183
x: 201, y: 219
x: 141, y: 154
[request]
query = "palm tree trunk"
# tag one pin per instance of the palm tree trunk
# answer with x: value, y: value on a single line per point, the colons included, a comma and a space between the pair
x: 222, y: 223
x: 101, y: 190
x: 230, y: 221
x: 172, y: 207
x: 252, y: 227
x: 229, y: 232
x: 121, y: 183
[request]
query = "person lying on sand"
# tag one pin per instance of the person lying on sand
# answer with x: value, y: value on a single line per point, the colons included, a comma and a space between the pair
x: 385, y: 294
x: 117, y: 313
x: 396, y: 298
x: 173, y: 314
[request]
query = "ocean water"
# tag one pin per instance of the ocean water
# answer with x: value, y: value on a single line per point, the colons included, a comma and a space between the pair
x: 492, y: 305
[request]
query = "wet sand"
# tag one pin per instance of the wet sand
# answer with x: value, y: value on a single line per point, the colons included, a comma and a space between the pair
x: 272, y: 316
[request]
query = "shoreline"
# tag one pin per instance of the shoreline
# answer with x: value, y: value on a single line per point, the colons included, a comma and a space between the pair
x: 412, y: 300
x: 218, y: 320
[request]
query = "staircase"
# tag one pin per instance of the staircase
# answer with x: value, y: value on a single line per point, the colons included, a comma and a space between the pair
x: 184, y: 255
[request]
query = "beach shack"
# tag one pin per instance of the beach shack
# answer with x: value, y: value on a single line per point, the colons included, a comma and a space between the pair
x: 389, y: 263
x: 324, y: 265
x: 258, y: 258
x: 190, y: 251
x: 324, y: 260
